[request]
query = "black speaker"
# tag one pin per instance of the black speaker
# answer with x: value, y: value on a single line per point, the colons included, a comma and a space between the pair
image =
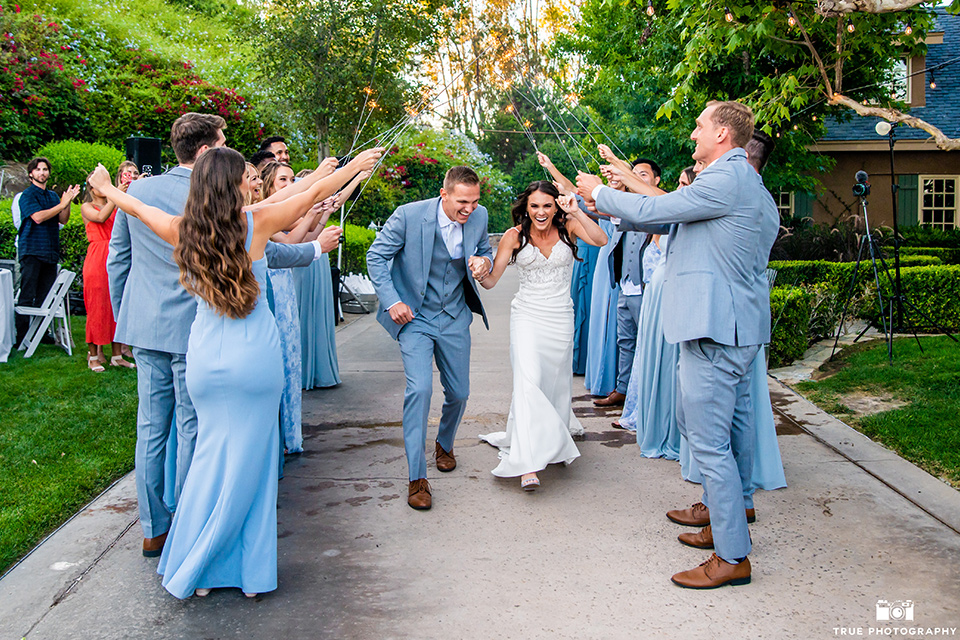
x: 145, y: 153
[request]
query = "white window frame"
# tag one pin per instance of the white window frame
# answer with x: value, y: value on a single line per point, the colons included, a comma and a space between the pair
x: 792, y: 206
x: 906, y: 79
x: 956, y: 200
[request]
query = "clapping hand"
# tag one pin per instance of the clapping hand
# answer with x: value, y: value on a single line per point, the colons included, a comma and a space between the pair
x: 73, y: 191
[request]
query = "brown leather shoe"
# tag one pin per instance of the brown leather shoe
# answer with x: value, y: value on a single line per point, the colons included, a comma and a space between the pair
x: 615, y: 399
x: 153, y: 547
x: 445, y: 459
x: 702, y: 539
x: 419, y: 494
x: 698, y: 515
x: 714, y: 573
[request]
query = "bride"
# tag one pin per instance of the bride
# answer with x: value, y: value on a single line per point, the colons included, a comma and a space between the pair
x: 543, y: 246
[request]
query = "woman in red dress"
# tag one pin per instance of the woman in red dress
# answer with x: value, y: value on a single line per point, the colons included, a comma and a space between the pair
x: 98, y: 214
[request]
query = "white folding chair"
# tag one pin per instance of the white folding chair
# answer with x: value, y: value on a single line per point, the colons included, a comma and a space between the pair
x: 55, y: 309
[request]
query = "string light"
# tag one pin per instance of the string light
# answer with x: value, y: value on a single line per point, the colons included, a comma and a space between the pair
x: 728, y: 15
x: 908, y: 29
x: 791, y: 19
x: 933, y: 81
x: 650, y: 10
x: 814, y: 118
x: 850, y: 26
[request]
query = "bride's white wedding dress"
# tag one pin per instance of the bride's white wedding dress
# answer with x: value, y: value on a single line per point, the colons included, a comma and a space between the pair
x: 541, y: 418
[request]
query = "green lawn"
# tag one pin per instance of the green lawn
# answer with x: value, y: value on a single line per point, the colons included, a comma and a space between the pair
x: 66, y: 433
x: 926, y: 429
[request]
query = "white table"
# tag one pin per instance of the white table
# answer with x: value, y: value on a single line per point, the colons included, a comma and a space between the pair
x: 7, y: 331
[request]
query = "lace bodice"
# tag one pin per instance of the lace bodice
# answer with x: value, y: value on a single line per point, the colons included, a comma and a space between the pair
x: 542, y: 277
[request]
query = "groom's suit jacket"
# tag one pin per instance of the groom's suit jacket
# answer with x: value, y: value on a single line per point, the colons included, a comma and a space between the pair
x: 398, y: 261
x: 721, y: 228
x: 152, y: 308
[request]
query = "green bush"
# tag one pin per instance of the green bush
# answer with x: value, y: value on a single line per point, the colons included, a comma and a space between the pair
x: 790, y: 321
x: 947, y: 255
x: 935, y: 291
x: 71, y: 161
x: 921, y: 236
x: 356, y: 242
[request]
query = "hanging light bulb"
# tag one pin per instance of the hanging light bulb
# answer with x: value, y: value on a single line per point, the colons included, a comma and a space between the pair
x: 814, y: 118
x: 728, y: 15
x: 778, y: 134
x: 933, y: 81
x: 650, y: 10
x: 796, y: 127
x: 908, y: 29
x: 791, y: 19
x: 850, y: 26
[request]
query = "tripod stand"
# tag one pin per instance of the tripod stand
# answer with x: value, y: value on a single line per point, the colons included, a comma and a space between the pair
x: 862, y: 189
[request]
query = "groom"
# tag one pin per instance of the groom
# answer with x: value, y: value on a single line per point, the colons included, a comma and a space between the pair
x: 427, y: 298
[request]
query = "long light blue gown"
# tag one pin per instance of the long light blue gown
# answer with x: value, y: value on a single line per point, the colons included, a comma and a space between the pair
x: 600, y: 377
x: 767, y: 463
x: 314, y: 285
x: 284, y: 307
x: 224, y: 532
x: 581, y: 290
x: 650, y: 406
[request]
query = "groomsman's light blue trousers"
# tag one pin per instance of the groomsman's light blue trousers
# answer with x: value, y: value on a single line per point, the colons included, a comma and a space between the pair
x: 446, y: 339
x: 715, y: 414
x: 163, y: 400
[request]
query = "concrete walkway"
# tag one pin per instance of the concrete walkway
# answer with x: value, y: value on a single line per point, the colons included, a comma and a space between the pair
x: 588, y: 556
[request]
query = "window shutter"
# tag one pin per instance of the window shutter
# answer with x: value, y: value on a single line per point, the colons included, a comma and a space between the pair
x: 803, y: 204
x: 908, y: 201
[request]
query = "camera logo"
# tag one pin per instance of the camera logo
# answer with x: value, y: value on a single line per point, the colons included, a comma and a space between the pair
x: 897, y: 610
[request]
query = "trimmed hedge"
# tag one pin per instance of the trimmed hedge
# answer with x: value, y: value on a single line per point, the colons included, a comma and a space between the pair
x: 790, y: 319
x: 839, y: 274
x: 356, y: 242
x: 946, y: 255
x: 935, y: 291
x: 71, y: 161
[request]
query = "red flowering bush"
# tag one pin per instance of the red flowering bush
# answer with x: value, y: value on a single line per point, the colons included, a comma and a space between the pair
x: 39, y: 98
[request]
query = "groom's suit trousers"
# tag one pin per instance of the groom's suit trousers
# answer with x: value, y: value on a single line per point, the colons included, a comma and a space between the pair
x: 446, y: 339
x: 715, y: 414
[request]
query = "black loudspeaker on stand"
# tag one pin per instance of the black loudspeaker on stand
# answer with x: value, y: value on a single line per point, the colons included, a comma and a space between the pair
x: 145, y: 153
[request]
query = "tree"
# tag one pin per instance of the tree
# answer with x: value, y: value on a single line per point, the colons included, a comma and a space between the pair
x: 337, y: 64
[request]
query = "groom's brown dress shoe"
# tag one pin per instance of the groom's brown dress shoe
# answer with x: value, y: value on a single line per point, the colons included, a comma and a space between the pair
x: 153, y: 547
x: 702, y: 539
x: 419, y: 494
x: 445, y: 459
x: 714, y: 573
x: 615, y: 399
x: 698, y: 515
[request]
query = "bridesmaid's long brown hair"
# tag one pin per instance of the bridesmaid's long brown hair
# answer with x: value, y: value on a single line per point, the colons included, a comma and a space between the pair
x: 214, y: 263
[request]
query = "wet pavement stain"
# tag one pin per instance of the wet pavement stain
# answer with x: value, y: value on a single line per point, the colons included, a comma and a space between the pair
x: 392, y: 496
x: 614, y: 439
x: 360, y: 487
x: 356, y: 502
x: 127, y: 505
x: 320, y: 486
x: 391, y: 442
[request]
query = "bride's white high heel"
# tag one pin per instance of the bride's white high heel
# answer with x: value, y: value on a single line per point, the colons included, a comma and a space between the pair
x: 529, y: 482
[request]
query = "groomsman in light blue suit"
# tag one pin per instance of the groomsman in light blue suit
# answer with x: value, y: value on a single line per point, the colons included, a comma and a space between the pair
x: 716, y: 305
x: 423, y: 264
x: 154, y: 314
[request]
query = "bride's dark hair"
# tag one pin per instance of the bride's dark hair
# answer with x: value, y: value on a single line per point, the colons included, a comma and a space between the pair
x: 520, y: 217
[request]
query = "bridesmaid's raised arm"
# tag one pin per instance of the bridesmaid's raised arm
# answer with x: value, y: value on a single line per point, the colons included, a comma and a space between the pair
x: 579, y: 224
x: 166, y: 226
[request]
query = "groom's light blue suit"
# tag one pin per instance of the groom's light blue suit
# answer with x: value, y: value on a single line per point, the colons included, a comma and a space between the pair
x: 154, y: 314
x: 409, y: 262
x: 716, y: 304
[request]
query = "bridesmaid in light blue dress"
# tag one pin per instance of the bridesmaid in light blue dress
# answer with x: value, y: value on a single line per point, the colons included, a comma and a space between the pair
x: 283, y: 304
x: 314, y: 286
x: 650, y: 407
x: 600, y: 377
x: 224, y: 532
x: 581, y: 290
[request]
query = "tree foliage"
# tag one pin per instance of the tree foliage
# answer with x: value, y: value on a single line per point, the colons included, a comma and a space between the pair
x: 337, y: 64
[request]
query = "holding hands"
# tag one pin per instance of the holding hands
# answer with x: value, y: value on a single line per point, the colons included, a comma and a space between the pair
x: 479, y: 267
